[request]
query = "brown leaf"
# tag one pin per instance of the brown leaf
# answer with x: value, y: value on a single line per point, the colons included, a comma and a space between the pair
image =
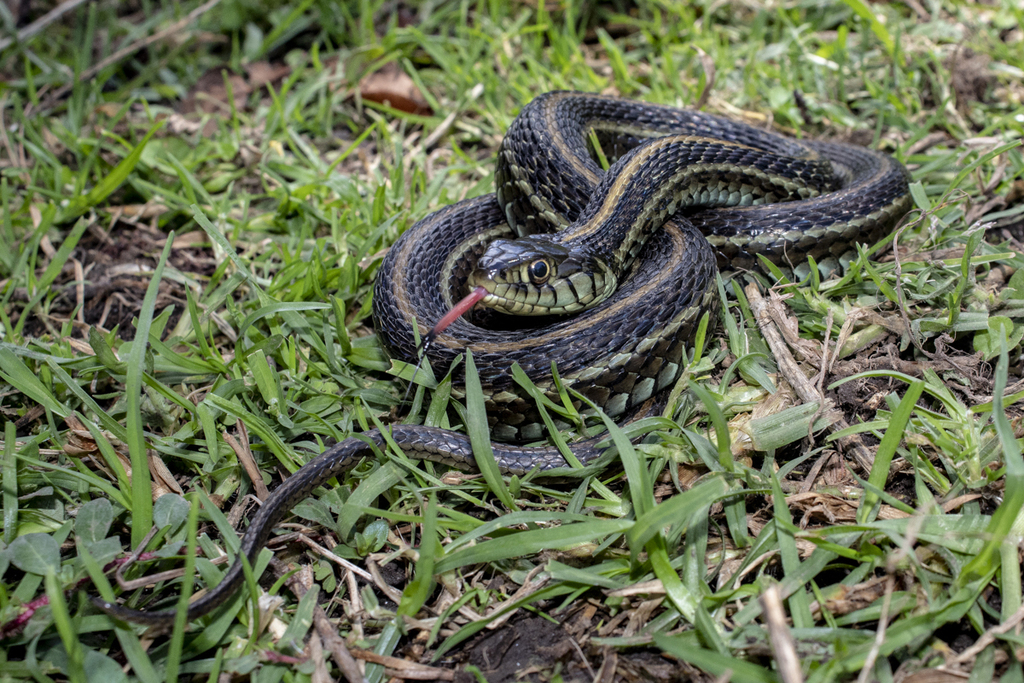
x: 80, y: 444
x: 393, y: 87
x: 210, y: 93
x: 263, y: 73
x: 847, y: 599
x: 163, y: 481
x: 78, y: 441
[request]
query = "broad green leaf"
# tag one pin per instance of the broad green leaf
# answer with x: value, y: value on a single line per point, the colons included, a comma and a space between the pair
x: 35, y: 554
x: 93, y: 520
x: 988, y: 342
x: 170, y: 510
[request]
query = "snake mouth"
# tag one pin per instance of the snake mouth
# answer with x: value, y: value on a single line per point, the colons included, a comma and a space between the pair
x: 456, y: 312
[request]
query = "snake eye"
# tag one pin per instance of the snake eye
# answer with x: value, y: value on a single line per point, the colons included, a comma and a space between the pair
x: 539, y: 272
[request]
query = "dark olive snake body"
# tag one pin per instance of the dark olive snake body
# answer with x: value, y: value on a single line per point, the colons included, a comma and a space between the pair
x: 629, y: 347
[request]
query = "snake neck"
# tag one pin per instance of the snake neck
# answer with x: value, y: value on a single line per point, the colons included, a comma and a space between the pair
x: 581, y: 266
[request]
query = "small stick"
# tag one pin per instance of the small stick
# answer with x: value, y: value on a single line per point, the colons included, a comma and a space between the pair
x: 403, y: 668
x: 876, y: 646
x: 42, y: 22
x: 780, y: 637
x: 135, y: 47
x: 327, y: 632
x: 789, y: 369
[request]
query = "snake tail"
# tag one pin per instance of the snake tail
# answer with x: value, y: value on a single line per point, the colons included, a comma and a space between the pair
x: 421, y: 443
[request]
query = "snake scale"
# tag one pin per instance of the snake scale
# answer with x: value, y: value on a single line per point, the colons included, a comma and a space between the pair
x: 636, y: 247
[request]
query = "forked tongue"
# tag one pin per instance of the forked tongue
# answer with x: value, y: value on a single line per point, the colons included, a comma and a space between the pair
x: 457, y: 311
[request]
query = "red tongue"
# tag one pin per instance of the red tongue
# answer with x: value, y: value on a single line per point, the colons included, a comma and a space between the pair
x: 457, y: 311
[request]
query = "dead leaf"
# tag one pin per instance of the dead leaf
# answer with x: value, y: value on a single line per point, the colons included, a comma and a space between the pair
x: 393, y: 87
x: 210, y: 93
x: 81, y: 444
x: 196, y: 238
x: 163, y: 480
x: 109, y: 109
x: 264, y: 73
x: 78, y: 440
x: 846, y: 599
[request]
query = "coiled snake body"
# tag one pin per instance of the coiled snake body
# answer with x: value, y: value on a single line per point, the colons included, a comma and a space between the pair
x: 779, y: 198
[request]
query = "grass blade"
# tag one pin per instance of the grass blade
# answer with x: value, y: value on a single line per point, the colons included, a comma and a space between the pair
x: 480, y: 435
x: 1007, y: 517
x: 714, y: 663
x: 142, y: 496
x: 524, y: 543
x: 887, y: 449
x: 9, y: 479
x: 110, y: 182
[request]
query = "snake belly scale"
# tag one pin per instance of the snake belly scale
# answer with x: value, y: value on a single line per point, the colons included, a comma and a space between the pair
x: 776, y: 197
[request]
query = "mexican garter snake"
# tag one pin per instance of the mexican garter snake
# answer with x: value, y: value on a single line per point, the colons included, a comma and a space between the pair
x: 636, y: 247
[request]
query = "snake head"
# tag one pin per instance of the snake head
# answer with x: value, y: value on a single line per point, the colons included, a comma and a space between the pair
x: 537, y: 276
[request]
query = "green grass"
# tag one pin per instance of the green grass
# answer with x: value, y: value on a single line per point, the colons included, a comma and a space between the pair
x: 237, y: 303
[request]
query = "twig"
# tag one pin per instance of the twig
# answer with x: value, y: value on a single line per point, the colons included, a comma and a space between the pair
x: 17, y: 159
x: 316, y: 653
x: 812, y: 475
x: 403, y: 668
x: 796, y: 378
x: 708, y: 65
x: 336, y: 559
x: 737, y: 580
x: 606, y: 674
x: 241, y: 448
x: 146, y: 42
x: 439, y: 132
x: 583, y: 657
x: 136, y: 553
x: 820, y: 382
x: 41, y: 23
x: 79, y: 289
x: 327, y: 632
x: 989, y: 637
x: 883, y: 622
x: 153, y: 579
x: 779, y: 636
x: 135, y: 47
x: 528, y: 587
x: 378, y: 579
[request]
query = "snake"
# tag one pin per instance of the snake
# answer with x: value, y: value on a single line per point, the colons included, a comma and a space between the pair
x: 601, y: 273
